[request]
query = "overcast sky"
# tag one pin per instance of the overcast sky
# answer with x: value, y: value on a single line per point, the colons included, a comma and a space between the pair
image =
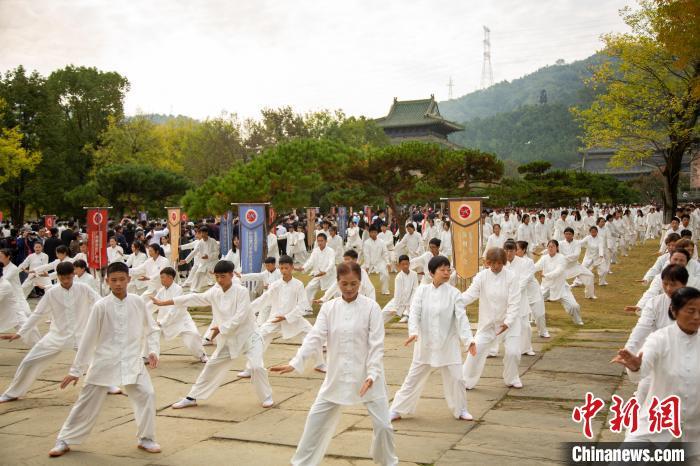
x: 202, y: 57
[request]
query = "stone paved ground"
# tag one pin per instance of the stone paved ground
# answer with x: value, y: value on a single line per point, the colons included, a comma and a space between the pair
x: 523, y: 427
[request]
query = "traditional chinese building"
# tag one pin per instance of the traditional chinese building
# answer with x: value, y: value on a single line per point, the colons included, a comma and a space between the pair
x: 598, y: 161
x: 418, y: 120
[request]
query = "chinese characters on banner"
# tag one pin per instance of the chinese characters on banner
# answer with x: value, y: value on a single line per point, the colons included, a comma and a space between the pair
x: 465, y: 215
x: 97, y: 238
x: 252, y: 222
x: 226, y: 232
x: 174, y: 232
x: 310, y: 226
x: 342, y: 222
x: 624, y: 416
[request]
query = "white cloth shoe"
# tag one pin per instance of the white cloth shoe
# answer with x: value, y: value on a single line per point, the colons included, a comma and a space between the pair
x: 184, y: 403
x: 149, y: 445
x: 545, y: 335
x: 322, y: 368
x: 529, y: 353
x: 403, y: 320
x: 113, y: 390
x: 244, y: 374
x: 203, y: 358
x: 60, y: 449
x: 465, y: 416
x: 5, y: 398
x: 517, y: 384
x: 268, y: 402
x: 394, y: 416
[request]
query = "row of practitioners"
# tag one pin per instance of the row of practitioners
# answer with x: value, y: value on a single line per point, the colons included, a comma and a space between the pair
x: 118, y: 327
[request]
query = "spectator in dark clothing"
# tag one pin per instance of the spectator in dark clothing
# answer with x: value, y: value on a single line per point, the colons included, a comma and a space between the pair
x: 68, y: 236
x: 51, y: 243
x: 121, y: 239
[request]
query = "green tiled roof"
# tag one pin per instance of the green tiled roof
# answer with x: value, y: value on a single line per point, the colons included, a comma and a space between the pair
x: 421, y: 112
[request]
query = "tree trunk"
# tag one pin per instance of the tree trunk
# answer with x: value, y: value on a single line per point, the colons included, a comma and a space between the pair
x: 672, y: 172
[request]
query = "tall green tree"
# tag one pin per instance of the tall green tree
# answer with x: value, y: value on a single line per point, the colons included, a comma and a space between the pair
x: 212, y: 147
x: 650, y: 104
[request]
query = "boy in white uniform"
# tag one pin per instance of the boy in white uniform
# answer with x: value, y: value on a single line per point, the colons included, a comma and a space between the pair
x: 110, y: 349
x: 405, y: 285
x: 235, y: 332
x: 321, y: 266
x: 375, y: 258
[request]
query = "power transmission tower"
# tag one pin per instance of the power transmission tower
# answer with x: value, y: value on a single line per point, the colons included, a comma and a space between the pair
x: 450, y: 85
x: 486, y: 70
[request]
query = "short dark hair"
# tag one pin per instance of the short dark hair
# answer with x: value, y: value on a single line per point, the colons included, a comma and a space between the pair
x: 224, y: 267
x: 522, y: 245
x: 569, y: 230
x: 169, y: 271
x: 322, y: 235
x: 64, y: 268
x: 80, y: 264
x: 675, y: 273
x: 404, y: 257
x: 204, y: 229
x: 680, y: 251
x: 510, y: 245
x: 62, y: 249
x: 286, y: 260
x: 685, y: 233
x: 671, y: 237
x: 346, y: 268
x: 593, y: 228
x: 437, y: 262
x: 373, y: 228
x: 350, y: 253
x: 680, y: 298
x: 270, y: 260
x: 435, y: 242
x: 7, y: 252
x: 117, y: 267
x: 411, y: 225
x: 676, y: 219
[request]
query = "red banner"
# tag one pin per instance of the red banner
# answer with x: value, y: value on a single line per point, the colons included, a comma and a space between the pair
x: 49, y: 221
x: 97, y: 238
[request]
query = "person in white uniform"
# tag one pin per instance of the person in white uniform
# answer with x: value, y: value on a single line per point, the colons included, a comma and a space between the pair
x: 148, y: 273
x: 496, y: 239
x: 286, y: 301
x: 534, y: 293
x: 411, y: 243
x: 554, y: 286
x: 352, y: 326
x: 35, y: 260
x: 175, y: 321
x: 525, y: 271
x: 82, y: 275
x: 405, y: 286
x: 498, y: 292
x: 670, y: 360
x: 110, y: 351
x: 375, y: 258
x: 438, y: 325
x: 570, y: 248
x: 69, y: 305
x: 235, y: 332
x: 207, y: 251
x: 321, y: 266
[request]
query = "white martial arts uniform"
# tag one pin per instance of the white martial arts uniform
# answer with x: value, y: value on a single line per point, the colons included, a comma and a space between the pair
x: 499, y: 303
x: 355, y: 336
x: 135, y: 261
x: 115, y: 254
x: 494, y: 241
x: 14, y: 311
x: 571, y: 252
x: 262, y: 280
x: 320, y: 261
x: 405, y: 285
x: 175, y: 321
x: 388, y: 238
x: 410, y: 245
x: 595, y: 256
x: 420, y: 265
x: 208, y: 254
x: 439, y: 319
x: 336, y: 243
x: 671, y: 362
x: 272, y: 246
x: 375, y: 259
x: 554, y: 286
x: 87, y: 279
x: 111, y: 345
x: 524, y: 270
x: 32, y: 262
x: 69, y: 310
x: 238, y: 336
x: 150, y: 269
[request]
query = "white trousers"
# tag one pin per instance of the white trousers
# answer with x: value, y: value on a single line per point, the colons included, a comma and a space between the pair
x: 391, y: 310
x: 383, y: 277
x: 484, y: 338
x: 193, y: 343
x: 569, y: 303
x: 599, y: 263
x: 33, y: 364
x: 311, y: 288
x: 321, y: 424
x: 538, y: 314
x: 83, y: 415
x: 525, y: 334
x: 216, y: 368
x: 268, y: 331
x: 406, y: 399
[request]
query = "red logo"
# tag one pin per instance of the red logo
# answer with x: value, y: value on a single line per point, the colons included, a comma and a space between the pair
x: 185, y: 217
x: 97, y: 218
x: 251, y: 216
x: 465, y: 211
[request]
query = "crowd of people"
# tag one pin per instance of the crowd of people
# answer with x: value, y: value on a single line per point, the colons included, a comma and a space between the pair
x: 114, y: 318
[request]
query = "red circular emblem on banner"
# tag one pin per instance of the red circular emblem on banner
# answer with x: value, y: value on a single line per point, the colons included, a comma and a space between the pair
x: 465, y: 211
x: 173, y: 216
x: 251, y: 216
x: 97, y: 218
